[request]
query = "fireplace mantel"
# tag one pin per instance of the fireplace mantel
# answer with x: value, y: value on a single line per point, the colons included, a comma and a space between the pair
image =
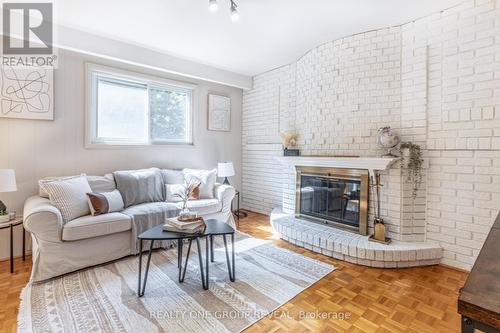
x: 371, y: 164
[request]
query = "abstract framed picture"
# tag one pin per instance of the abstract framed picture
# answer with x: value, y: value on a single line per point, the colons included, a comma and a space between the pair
x: 27, y: 93
x: 219, y: 113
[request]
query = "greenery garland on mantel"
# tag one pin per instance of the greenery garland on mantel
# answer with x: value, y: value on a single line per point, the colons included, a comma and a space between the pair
x: 413, y: 163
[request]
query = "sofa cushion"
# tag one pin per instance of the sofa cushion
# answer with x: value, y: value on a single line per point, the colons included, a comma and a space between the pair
x: 203, y: 206
x: 94, y: 226
x: 150, y: 208
x: 140, y: 186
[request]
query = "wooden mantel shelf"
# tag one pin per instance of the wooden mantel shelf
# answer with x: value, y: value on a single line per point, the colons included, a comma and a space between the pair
x: 371, y: 164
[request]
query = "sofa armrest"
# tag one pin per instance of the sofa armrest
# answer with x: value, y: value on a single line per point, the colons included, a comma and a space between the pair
x: 225, y: 194
x: 42, y: 219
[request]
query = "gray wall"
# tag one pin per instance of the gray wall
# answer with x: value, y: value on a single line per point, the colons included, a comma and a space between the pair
x: 36, y: 148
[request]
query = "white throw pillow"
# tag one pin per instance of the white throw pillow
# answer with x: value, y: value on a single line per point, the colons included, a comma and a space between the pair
x: 173, y: 191
x: 207, y: 180
x: 69, y: 196
x: 105, y: 202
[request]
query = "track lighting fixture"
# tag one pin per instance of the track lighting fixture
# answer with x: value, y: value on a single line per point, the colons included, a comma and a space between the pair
x: 235, y: 16
x: 213, y: 6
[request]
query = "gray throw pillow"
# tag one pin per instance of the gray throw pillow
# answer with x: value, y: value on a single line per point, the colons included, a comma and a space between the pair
x: 101, y: 184
x: 140, y: 186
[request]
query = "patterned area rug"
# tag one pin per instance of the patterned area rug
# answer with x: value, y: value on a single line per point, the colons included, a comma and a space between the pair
x: 104, y: 298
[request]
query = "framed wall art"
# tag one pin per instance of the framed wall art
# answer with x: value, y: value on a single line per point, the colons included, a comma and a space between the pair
x: 219, y: 113
x: 27, y: 93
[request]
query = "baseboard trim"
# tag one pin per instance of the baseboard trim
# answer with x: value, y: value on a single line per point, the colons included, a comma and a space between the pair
x: 28, y: 253
x: 455, y: 268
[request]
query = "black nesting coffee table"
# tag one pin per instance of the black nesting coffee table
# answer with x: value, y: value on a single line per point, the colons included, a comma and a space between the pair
x: 214, y: 228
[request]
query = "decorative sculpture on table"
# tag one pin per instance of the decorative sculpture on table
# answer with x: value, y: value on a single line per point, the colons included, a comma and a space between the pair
x: 387, y: 138
x: 190, y: 186
x: 289, y: 141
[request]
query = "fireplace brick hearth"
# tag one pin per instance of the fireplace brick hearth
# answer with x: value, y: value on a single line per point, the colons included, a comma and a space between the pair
x: 351, y: 247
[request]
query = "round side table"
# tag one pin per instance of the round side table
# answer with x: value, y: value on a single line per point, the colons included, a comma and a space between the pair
x: 10, y: 225
x: 238, y: 213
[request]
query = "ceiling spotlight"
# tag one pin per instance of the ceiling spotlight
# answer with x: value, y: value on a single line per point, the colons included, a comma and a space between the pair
x: 235, y: 16
x: 212, y: 5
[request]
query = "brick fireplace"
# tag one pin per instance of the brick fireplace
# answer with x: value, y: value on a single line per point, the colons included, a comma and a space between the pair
x: 315, y: 216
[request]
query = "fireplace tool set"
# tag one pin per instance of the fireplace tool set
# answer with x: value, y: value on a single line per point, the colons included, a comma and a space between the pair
x: 378, y: 222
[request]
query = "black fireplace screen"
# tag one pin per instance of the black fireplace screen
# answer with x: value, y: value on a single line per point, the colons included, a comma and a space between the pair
x: 330, y: 198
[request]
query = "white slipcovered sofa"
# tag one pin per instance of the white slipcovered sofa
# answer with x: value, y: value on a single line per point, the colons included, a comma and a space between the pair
x: 60, y: 248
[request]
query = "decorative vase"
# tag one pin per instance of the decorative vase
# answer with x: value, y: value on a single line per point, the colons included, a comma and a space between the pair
x: 185, y: 212
x: 387, y: 139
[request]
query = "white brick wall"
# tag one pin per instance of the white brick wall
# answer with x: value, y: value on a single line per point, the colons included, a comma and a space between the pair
x: 437, y: 80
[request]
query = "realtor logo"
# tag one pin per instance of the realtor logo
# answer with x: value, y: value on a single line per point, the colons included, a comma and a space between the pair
x: 28, y: 35
x: 27, y: 28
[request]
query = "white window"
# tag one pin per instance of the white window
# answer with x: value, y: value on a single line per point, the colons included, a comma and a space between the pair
x: 126, y: 108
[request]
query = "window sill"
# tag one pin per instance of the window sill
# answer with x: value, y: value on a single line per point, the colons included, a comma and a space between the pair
x: 91, y: 145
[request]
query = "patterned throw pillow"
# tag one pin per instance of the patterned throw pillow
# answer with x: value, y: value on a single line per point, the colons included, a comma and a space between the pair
x: 105, y: 202
x: 41, y: 191
x: 69, y: 196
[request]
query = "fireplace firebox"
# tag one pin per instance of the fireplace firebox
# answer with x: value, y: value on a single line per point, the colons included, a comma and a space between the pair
x: 333, y: 196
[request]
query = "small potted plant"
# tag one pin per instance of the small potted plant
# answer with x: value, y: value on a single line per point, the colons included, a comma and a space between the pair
x: 4, y: 216
x: 413, y: 162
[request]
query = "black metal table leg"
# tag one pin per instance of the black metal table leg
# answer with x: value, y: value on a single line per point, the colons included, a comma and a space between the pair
x: 179, y: 250
x: 147, y: 270
x: 211, y: 248
x: 24, y: 243
x: 179, y: 253
x: 181, y: 277
x: 11, y: 248
x: 201, y: 263
x: 207, y: 259
x: 140, y: 268
x: 234, y: 265
x: 230, y: 267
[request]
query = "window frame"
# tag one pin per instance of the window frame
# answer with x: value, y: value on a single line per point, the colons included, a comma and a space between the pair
x: 93, y: 71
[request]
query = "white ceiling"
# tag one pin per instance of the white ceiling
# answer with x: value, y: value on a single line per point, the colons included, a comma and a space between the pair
x: 268, y: 35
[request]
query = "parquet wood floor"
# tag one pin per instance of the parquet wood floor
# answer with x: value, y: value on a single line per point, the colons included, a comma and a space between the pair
x: 376, y: 300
